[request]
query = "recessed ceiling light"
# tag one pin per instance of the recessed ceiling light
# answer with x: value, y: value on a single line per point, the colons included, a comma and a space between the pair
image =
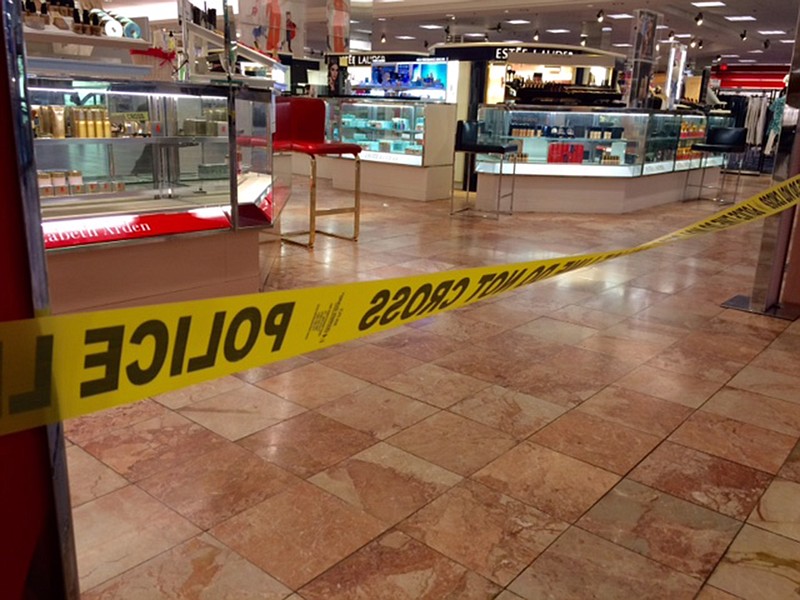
x: 513, y: 42
x: 621, y: 45
x: 363, y: 30
x: 729, y: 55
x: 620, y: 16
x: 683, y: 35
x: 431, y: 27
x: 756, y: 52
x: 771, y: 32
x: 786, y: 41
x: 661, y: 27
x: 381, y: 18
x: 607, y: 28
x: 708, y: 4
x: 353, y: 22
x: 518, y: 22
x: 741, y: 18
x: 747, y: 60
x: 404, y: 37
x: 474, y: 34
x: 557, y: 30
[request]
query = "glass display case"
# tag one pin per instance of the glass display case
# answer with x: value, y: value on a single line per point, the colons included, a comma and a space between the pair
x: 393, y: 131
x: 119, y: 160
x: 596, y: 143
x: 693, y: 131
x: 663, y: 133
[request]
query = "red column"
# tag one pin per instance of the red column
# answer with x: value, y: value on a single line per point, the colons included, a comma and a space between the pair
x: 29, y: 550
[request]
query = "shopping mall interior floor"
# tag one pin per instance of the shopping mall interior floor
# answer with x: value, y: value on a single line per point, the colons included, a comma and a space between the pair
x: 610, y: 433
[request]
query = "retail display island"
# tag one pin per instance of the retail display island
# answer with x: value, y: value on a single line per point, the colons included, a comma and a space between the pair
x: 407, y: 145
x: 586, y: 160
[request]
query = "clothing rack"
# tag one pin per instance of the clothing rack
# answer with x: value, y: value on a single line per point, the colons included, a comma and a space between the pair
x: 752, y: 109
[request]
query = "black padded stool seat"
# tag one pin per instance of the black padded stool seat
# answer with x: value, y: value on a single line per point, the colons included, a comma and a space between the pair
x: 725, y: 141
x: 467, y: 135
x: 467, y: 141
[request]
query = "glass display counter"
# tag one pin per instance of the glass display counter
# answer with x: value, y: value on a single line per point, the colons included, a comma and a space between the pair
x: 593, y: 160
x: 594, y: 143
x: 396, y: 133
x: 392, y: 131
x: 120, y: 160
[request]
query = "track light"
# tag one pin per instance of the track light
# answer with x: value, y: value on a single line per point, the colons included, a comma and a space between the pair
x: 699, y: 44
x: 601, y: 15
x: 383, y: 38
x: 536, y: 36
x: 583, y: 40
x: 693, y: 43
x: 699, y: 19
x: 671, y: 35
x: 767, y: 44
x: 743, y: 35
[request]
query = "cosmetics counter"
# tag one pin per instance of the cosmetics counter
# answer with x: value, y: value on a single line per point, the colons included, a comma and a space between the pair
x: 407, y: 145
x: 594, y: 160
x: 153, y: 190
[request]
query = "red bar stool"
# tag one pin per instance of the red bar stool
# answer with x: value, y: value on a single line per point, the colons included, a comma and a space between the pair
x: 300, y: 127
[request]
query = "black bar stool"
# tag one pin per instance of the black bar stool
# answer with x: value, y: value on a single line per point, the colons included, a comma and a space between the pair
x: 467, y: 142
x: 725, y: 141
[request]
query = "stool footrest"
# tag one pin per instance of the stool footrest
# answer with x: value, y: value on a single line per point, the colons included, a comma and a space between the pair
x: 314, y: 212
x: 336, y: 211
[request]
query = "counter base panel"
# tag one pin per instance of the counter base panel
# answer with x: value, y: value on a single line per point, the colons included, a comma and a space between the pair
x: 169, y: 269
x: 398, y: 181
x: 592, y: 195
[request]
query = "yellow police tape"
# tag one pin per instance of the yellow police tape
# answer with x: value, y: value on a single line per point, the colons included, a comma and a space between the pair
x: 56, y: 368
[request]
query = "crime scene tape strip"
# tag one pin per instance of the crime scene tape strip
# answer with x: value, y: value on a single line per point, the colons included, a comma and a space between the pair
x: 60, y: 367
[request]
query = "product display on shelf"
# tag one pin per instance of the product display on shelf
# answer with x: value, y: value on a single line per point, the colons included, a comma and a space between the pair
x: 388, y: 131
x: 86, y: 17
x: 151, y: 151
x: 601, y: 143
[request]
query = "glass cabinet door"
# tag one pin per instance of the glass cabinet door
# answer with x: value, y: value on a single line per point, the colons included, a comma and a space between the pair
x: 693, y: 131
x: 387, y: 131
x: 663, y: 133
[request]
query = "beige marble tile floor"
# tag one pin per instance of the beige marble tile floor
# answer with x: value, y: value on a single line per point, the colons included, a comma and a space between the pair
x: 613, y: 433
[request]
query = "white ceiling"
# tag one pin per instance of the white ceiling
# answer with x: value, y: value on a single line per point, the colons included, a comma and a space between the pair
x: 404, y: 17
x: 720, y: 36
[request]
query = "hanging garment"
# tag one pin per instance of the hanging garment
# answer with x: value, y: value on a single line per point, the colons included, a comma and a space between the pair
x: 775, y: 125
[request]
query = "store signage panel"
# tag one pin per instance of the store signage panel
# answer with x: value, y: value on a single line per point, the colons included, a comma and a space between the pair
x: 506, y: 52
x: 365, y: 59
x: 99, y: 230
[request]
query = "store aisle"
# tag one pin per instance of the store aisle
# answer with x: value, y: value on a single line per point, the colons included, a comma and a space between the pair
x: 611, y: 433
